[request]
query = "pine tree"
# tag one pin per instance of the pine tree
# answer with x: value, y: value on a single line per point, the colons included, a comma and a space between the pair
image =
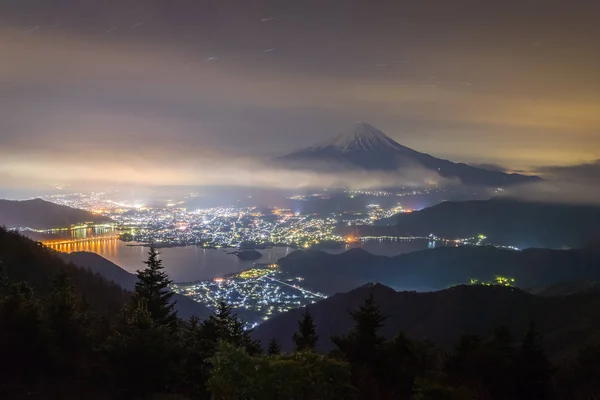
x: 141, y: 355
x: 362, y: 348
x: 306, y: 338
x: 68, y: 324
x: 224, y: 325
x: 463, y: 365
x: 363, y: 338
x: 193, y: 366
x: 274, y: 348
x: 3, y: 278
x: 586, y: 373
x: 152, y: 289
x: 24, y: 343
x: 533, y: 370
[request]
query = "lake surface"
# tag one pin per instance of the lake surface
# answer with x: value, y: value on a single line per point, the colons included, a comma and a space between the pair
x: 193, y: 263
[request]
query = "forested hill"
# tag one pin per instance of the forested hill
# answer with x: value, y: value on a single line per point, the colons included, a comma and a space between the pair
x: 504, y: 221
x: 105, y: 285
x: 41, y: 214
x: 30, y: 262
x: 567, y: 322
x: 66, y: 338
x: 436, y: 269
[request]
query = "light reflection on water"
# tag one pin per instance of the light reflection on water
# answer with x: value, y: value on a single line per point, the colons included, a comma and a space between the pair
x: 192, y: 263
x: 183, y: 264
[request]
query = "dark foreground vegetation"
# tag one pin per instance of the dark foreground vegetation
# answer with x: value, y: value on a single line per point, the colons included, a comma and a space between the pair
x: 59, y: 341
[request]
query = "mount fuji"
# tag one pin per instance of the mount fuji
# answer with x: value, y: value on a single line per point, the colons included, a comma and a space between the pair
x: 368, y: 148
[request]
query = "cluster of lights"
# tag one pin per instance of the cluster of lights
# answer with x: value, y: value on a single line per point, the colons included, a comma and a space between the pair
x: 400, y: 193
x: 227, y: 227
x: 497, y: 281
x: 257, y: 294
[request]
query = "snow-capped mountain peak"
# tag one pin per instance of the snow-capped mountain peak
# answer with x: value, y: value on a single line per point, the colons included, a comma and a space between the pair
x: 367, y: 148
x: 362, y: 137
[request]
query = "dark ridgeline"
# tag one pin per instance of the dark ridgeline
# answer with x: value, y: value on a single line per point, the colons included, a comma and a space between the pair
x: 439, y: 268
x: 367, y: 148
x: 442, y: 316
x: 504, y: 221
x: 41, y: 214
x: 68, y: 333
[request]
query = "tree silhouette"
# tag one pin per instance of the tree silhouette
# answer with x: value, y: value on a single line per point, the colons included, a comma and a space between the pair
x: 3, y: 278
x: 532, y: 367
x: 360, y: 344
x: 362, y: 348
x: 193, y: 365
x: 68, y: 325
x: 152, y: 289
x: 306, y: 338
x: 274, y: 347
x: 24, y: 342
x: 224, y: 325
x: 140, y: 353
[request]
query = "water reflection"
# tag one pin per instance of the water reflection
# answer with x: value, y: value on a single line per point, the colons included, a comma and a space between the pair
x: 192, y: 263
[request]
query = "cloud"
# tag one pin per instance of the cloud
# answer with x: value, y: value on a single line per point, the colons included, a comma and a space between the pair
x: 587, y: 172
x: 149, y: 167
x: 144, y: 107
x: 557, y: 191
x: 489, y: 167
x: 91, y: 92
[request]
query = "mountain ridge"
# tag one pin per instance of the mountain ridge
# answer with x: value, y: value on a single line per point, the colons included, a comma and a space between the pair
x: 366, y: 147
x: 443, y: 316
x: 42, y: 214
x: 505, y: 221
x: 439, y: 268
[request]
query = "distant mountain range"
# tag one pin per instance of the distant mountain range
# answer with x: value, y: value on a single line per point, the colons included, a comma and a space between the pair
x: 368, y: 148
x: 185, y: 306
x: 504, y: 221
x: 439, y: 268
x: 567, y: 322
x: 41, y: 214
x: 568, y: 288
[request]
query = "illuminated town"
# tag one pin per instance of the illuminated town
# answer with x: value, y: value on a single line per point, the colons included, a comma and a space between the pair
x: 174, y: 225
x: 256, y: 294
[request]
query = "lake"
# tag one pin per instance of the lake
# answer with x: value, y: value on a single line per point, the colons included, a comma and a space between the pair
x: 193, y: 263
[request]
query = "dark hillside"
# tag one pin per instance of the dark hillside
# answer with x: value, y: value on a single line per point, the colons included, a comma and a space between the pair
x: 567, y: 322
x: 504, y: 221
x: 41, y: 214
x: 29, y: 261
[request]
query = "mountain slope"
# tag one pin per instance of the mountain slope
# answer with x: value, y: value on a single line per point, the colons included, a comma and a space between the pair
x: 185, y: 306
x: 28, y: 261
x: 105, y: 285
x: 40, y: 214
x: 440, y: 268
x: 504, y: 221
x: 566, y: 322
x: 368, y: 148
x: 567, y: 288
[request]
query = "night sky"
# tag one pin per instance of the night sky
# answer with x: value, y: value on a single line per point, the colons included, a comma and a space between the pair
x: 171, y: 91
